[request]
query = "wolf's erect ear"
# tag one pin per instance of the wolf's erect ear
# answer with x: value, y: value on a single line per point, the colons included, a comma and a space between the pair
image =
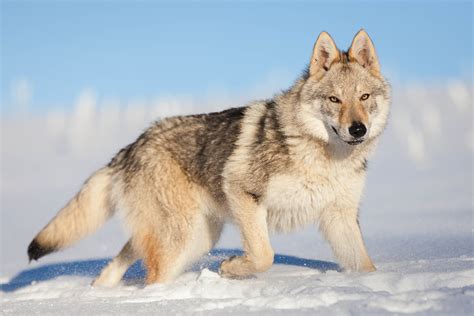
x: 325, y: 53
x: 363, y: 51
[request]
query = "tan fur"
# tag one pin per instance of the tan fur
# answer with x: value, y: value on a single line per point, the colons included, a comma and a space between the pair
x: 162, y: 235
x: 115, y: 270
x: 155, y: 257
x: 345, y: 118
x: 252, y: 221
x: 359, y: 113
x: 363, y: 51
x: 275, y: 165
x: 325, y: 53
x: 352, y: 113
x: 82, y: 215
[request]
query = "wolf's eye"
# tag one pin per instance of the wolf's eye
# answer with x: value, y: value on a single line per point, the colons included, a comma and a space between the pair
x: 334, y: 99
x: 365, y: 96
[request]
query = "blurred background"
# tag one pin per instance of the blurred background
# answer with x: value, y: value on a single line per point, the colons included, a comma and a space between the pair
x: 81, y: 79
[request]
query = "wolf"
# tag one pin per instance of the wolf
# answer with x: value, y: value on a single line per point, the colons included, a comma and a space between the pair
x: 273, y: 165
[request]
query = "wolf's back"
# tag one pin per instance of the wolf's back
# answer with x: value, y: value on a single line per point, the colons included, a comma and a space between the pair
x: 82, y: 215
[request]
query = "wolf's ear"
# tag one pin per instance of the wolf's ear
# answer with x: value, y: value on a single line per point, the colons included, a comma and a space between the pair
x: 325, y: 53
x: 362, y: 51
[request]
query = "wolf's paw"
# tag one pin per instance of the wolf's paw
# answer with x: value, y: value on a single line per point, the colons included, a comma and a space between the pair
x: 225, y: 269
x: 235, y: 268
x: 100, y: 282
x: 108, y: 278
x: 242, y: 267
x: 369, y: 268
x: 364, y: 268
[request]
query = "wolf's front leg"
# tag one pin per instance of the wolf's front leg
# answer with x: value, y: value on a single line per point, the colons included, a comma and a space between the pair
x: 341, y: 228
x: 252, y: 221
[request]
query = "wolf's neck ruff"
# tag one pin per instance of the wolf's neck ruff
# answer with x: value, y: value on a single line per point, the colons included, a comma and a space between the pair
x: 279, y: 164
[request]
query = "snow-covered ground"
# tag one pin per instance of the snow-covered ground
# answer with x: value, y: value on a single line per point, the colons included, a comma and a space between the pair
x: 416, y: 217
x: 433, y: 286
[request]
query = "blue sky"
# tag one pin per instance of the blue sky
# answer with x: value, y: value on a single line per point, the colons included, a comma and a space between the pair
x: 144, y: 49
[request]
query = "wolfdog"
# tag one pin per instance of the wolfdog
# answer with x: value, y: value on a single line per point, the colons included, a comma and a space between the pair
x: 274, y: 165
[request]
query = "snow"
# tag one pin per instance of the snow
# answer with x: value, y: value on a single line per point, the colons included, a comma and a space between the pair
x: 437, y: 286
x: 416, y: 217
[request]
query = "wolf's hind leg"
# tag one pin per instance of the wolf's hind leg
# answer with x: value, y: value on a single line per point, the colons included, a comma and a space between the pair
x: 161, y: 257
x: 114, y: 271
x: 171, y: 218
x: 167, y: 256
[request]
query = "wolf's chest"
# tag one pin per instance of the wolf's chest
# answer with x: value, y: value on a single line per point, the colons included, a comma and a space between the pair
x: 296, y: 200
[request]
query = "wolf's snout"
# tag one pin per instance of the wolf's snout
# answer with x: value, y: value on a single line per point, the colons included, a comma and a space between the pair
x: 357, y: 129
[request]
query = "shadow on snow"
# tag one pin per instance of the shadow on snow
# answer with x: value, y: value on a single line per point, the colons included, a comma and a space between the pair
x: 91, y: 268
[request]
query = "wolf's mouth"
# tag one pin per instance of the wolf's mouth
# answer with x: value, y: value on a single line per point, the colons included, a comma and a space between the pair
x: 350, y: 142
x: 355, y: 142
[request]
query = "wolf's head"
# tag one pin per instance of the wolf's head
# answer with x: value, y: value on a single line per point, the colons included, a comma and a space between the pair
x: 343, y: 96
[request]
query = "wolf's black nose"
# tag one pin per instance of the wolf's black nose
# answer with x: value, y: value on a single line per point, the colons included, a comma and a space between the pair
x: 357, y: 129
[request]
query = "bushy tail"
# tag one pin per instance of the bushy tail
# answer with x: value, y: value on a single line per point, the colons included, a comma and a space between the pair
x: 83, y: 214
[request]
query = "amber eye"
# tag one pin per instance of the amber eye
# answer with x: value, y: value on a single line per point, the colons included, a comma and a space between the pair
x: 365, y: 96
x: 334, y: 99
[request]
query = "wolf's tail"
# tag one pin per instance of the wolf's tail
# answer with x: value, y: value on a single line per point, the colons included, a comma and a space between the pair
x: 82, y: 215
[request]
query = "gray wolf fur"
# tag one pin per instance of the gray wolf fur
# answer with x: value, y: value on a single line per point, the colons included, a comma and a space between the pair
x: 274, y: 165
